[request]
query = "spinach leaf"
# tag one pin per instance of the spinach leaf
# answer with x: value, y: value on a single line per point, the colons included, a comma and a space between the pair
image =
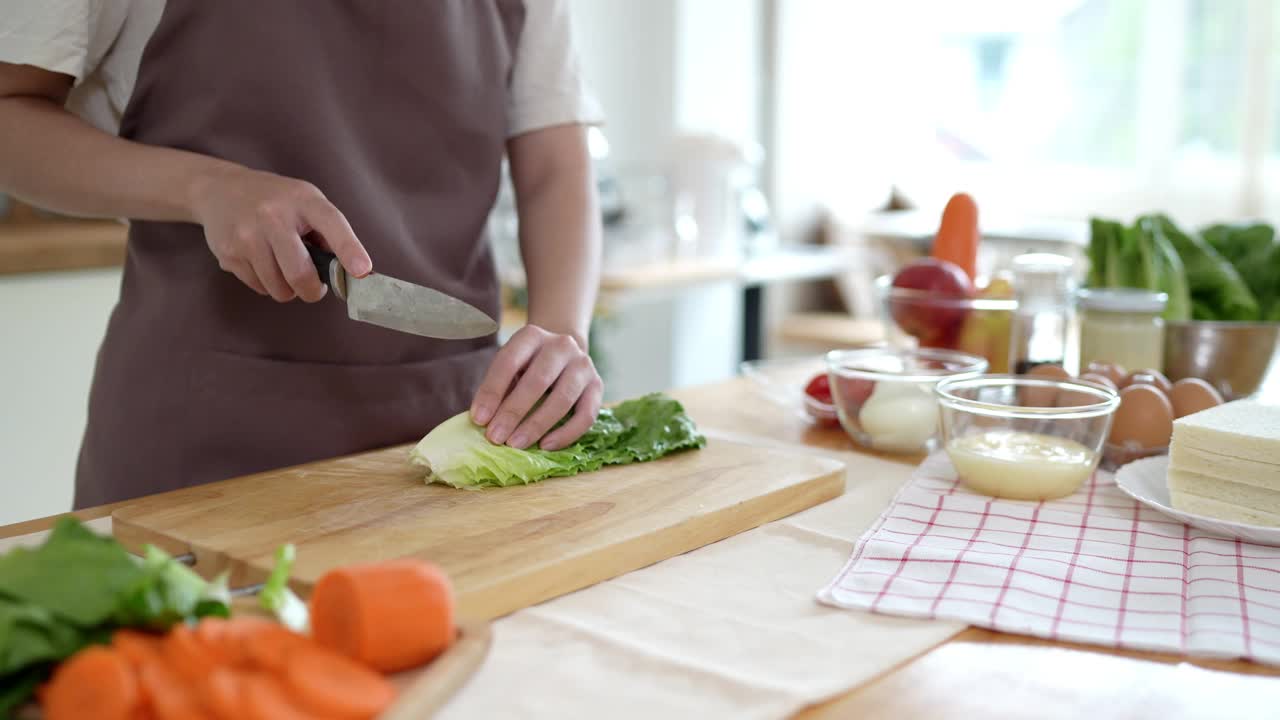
x: 76, y: 589
x: 1217, y: 290
x: 1252, y: 249
x: 76, y: 574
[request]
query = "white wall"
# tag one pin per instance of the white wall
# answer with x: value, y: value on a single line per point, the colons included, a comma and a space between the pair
x: 660, y: 67
x: 52, y: 324
x: 627, y: 53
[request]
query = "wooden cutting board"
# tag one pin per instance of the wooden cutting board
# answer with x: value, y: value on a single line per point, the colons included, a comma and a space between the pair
x: 505, y: 548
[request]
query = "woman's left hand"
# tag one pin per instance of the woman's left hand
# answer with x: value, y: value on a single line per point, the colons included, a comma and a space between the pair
x: 533, y: 364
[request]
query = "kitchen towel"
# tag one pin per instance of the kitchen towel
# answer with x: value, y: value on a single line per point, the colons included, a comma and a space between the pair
x: 1094, y: 567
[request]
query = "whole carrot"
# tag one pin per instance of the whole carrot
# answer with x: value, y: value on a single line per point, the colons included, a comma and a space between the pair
x: 958, y: 235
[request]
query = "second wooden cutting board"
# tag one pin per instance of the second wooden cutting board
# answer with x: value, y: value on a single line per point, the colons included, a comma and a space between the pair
x: 505, y: 549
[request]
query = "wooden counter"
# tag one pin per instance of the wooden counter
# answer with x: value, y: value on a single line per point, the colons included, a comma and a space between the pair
x: 50, y: 245
x: 979, y: 673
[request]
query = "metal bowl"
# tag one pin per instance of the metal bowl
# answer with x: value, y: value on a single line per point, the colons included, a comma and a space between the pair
x: 1232, y: 356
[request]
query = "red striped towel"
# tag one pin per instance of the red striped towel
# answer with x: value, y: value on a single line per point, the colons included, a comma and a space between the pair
x: 1095, y: 567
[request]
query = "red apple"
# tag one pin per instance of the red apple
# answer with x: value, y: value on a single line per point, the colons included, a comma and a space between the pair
x: 933, y: 316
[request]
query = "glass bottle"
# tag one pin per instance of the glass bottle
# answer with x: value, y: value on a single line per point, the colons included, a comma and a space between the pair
x: 1043, y: 285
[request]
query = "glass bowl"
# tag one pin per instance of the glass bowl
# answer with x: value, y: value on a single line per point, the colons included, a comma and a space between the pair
x: 884, y: 397
x: 981, y: 326
x: 1024, y: 437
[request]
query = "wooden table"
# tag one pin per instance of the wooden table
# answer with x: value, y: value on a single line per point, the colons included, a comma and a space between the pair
x: 989, y: 675
x: 979, y: 673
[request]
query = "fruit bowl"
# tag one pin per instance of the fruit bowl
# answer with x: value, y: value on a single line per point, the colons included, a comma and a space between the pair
x: 884, y: 396
x: 980, y: 325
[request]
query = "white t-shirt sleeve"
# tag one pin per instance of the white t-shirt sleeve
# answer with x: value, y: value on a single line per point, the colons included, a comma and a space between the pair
x: 547, y: 87
x: 62, y: 36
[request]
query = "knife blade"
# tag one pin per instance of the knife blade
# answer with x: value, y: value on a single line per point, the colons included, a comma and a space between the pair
x: 395, y: 304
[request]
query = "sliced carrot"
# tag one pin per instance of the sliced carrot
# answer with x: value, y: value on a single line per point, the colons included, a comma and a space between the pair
x: 167, y: 694
x: 266, y: 699
x: 187, y: 655
x: 137, y: 647
x: 958, y: 234
x: 211, y: 632
x: 331, y: 684
x: 391, y: 616
x: 96, y: 682
x: 222, y: 693
x: 228, y: 639
x: 269, y: 647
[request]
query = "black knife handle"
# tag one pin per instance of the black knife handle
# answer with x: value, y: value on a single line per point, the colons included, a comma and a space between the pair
x: 323, y: 260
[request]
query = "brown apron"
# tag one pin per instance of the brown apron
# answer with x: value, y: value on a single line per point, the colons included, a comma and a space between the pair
x: 396, y: 110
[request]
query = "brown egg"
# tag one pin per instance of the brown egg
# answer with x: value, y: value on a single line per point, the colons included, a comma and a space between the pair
x: 1150, y: 377
x: 1144, y: 418
x: 1100, y: 380
x: 1043, y: 396
x: 1115, y: 373
x: 1081, y: 398
x: 1191, y: 395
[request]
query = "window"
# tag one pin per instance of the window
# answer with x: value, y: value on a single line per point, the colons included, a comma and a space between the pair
x: 1048, y: 109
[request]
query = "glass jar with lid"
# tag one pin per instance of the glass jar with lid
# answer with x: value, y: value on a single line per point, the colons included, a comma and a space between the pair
x: 1122, y: 326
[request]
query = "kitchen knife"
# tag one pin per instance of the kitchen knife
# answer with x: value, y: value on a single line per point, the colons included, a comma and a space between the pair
x: 398, y: 305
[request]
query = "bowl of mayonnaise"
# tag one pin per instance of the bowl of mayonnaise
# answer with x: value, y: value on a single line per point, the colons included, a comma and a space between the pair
x: 1024, y: 437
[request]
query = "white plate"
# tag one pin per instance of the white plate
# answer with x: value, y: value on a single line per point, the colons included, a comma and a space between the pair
x: 1144, y: 481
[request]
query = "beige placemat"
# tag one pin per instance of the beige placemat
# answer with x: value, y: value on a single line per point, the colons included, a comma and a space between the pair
x: 731, y: 630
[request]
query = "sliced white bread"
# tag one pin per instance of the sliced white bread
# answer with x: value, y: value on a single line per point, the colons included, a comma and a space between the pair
x: 1243, y: 429
x: 1224, y: 467
x: 1209, y: 507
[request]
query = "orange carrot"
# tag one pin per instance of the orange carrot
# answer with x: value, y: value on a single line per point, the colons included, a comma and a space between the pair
x: 228, y: 639
x: 187, y: 655
x: 958, y: 235
x: 96, y: 682
x: 268, y: 647
x: 168, y: 695
x: 391, y: 616
x: 333, y: 685
x: 137, y: 647
x: 265, y: 698
x: 222, y: 694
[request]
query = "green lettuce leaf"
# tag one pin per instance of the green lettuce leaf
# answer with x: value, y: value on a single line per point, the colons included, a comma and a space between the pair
x: 457, y: 453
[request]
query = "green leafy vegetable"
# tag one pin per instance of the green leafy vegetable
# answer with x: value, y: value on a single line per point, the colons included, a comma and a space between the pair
x: 1252, y: 249
x: 75, y: 589
x: 276, y: 597
x: 1226, y: 272
x: 1217, y: 290
x: 457, y: 453
x: 1171, y: 274
x: 1138, y: 256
